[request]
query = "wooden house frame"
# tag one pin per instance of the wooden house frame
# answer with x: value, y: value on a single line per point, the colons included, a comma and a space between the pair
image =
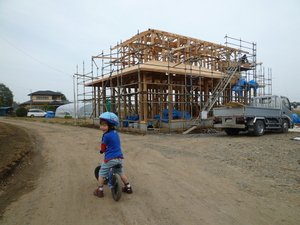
x: 157, y: 70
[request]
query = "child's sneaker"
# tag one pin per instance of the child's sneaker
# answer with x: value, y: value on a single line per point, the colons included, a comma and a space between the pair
x: 126, y: 189
x: 98, y: 193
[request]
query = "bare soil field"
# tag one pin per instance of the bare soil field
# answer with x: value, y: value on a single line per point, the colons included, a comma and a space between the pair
x: 176, y: 179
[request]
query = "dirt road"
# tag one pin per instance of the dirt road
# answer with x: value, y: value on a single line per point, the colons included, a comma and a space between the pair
x: 177, y: 179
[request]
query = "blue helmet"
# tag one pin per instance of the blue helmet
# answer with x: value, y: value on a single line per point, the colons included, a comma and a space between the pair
x: 110, y: 117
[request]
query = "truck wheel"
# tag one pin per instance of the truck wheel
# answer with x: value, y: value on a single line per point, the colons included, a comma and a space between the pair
x: 259, y: 128
x: 232, y: 131
x: 284, y: 126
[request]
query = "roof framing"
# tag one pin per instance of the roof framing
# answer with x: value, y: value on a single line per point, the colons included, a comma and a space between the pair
x: 170, y: 52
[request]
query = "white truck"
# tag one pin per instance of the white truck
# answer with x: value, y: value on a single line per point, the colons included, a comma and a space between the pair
x: 270, y: 112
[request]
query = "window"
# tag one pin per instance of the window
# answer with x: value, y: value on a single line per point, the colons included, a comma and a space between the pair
x: 286, y: 103
x: 42, y: 98
x: 266, y: 101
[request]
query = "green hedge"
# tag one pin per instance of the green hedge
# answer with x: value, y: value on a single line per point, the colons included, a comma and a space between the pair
x: 21, y: 112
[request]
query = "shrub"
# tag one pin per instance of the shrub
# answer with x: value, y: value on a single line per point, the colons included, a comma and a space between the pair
x: 51, y: 108
x: 21, y: 112
x: 45, y: 107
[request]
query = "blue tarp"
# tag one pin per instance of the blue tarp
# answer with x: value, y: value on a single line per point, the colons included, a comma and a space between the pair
x: 130, y: 118
x: 175, y: 115
x: 242, y: 83
x: 296, y: 118
x: 133, y: 118
x: 50, y: 114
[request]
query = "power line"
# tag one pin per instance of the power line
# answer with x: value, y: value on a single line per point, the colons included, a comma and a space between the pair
x: 34, y: 58
x: 16, y: 86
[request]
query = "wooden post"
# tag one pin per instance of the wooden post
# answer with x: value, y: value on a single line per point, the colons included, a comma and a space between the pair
x: 104, y: 99
x: 145, y: 95
x: 125, y: 101
x: 98, y: 101
x: 136, y: 101
x: 206, y: 89
x: 170, y: 97
x: 120, y: 114
x: 141, y: 97
x: 94, y: 102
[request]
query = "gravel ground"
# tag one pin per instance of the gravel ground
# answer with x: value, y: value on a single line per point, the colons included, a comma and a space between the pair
x: 177, y: 179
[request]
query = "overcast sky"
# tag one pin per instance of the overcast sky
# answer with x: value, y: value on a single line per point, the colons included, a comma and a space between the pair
x: 42, y: 42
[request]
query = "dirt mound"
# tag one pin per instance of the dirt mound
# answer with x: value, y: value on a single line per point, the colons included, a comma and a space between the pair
x: 17, y: 167
x: 14, y: 145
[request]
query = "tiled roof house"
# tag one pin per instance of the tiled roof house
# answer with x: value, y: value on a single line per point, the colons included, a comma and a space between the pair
x: 39, y: 98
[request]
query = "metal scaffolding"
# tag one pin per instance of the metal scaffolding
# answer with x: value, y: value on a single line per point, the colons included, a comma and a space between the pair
x: 154, y: 74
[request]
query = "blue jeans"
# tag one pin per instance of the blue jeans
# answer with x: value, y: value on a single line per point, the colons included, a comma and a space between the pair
x: 103, y: 172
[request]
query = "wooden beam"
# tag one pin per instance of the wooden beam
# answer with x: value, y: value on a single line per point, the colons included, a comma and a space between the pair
x: 148, y: 33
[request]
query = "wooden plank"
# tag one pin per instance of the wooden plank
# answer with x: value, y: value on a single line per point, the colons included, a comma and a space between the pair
x: 177, y: 49
x: 189, y: 130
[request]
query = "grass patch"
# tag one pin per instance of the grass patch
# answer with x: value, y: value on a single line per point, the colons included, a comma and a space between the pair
x: 68, y: 124
x: 55, y: 120
x: 297, y: 111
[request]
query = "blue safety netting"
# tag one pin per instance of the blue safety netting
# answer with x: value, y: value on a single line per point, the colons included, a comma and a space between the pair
x: 296, y: 118
x: 242, y: 84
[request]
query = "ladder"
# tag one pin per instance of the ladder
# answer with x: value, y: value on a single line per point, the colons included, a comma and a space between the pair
x: 217, y: 92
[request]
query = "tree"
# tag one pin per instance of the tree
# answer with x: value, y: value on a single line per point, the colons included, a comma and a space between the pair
x: 15, y: 104
x: 6, y: 96
x: 63, y: 97
x: 47, y: 107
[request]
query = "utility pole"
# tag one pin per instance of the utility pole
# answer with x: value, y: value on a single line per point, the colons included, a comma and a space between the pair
x: 75, y: 110
x: 30, y: 97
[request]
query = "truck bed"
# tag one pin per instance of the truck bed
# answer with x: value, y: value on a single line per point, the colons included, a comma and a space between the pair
x: 246, y: 111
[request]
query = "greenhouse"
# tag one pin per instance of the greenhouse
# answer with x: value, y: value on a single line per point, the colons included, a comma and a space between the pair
x: 83, y: 110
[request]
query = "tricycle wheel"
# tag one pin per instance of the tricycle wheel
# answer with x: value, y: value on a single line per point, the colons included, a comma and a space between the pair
x: 116, y: 190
